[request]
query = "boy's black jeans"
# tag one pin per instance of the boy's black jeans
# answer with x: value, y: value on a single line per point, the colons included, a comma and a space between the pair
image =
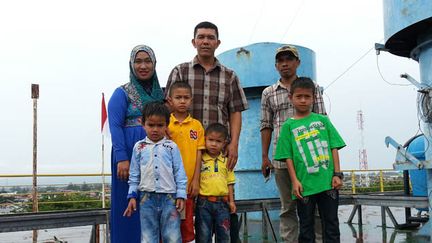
x: 327, y: 202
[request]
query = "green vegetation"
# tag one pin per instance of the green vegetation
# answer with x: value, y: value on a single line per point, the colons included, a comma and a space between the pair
x: 56, y: 198
x: 70, y: 201
x: 84, y: 196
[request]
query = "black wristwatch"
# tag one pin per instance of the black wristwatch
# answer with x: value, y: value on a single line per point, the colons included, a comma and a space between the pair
x: 339, y: 174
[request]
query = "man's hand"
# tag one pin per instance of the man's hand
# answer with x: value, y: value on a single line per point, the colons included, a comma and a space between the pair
x: 265, y: 164
x: 336, y: 183
x: 297, y: 189
x: 131, y: 208
x: 180, y: 204
x: 232, y: 154
x: 123, y: 170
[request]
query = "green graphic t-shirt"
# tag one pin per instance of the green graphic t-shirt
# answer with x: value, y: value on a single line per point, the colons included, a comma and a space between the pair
x: 308, y: 142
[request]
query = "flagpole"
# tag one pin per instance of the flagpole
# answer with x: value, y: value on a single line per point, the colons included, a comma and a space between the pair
x: 35, y: 97
x: 104, y: 117
x: 103, y: 172
x: 103, y: 148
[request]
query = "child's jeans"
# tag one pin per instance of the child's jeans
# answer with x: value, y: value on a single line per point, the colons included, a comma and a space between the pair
x: 159, y: 217
x: 209, y: 215
x: 327, y: 202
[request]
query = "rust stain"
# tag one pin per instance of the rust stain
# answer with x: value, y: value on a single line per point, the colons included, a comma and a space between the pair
x: 243, y: 52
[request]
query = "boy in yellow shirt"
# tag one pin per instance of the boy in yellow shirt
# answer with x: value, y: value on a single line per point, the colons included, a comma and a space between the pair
x: 188, y: 134
x: 216, y: 195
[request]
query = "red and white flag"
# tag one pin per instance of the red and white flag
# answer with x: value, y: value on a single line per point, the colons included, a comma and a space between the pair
x: 104, y: 121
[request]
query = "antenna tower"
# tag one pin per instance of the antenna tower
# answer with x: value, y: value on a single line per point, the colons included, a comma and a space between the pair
x: 363, y: 164
x: 362, y: 151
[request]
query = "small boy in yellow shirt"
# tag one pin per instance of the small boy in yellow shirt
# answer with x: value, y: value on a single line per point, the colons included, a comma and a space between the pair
x: 216, y: 195
x: 188, y: 134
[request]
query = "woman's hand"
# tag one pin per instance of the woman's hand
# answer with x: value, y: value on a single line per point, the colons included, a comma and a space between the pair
x: 123, y: 170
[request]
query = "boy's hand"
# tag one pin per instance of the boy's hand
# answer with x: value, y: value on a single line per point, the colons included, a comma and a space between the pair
x: 131, y: 208
x: 336, y: 183
x: 123, y: 170
x: 193, y: 189
x: 232, y: 153
x: 233, y: 207
x: 180, y: 204
x: 297, y: 189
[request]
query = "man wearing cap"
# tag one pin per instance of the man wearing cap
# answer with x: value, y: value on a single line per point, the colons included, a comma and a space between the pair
x: 276, y: 108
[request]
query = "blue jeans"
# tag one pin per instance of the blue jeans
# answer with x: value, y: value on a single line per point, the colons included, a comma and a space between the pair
x: 328, y: 202
x: 209, y: 216
x: 159, y: 217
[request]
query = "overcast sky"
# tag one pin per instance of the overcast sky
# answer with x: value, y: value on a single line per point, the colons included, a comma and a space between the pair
x: 75, y: 50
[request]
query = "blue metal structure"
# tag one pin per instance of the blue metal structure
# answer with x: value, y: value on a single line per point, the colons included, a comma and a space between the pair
x: 255, y: 66
x: 408, y: 33
x: 418, y: 177
x: 405, y: 24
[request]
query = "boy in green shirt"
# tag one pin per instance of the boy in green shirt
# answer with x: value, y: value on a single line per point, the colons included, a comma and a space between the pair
x: 309, y: 144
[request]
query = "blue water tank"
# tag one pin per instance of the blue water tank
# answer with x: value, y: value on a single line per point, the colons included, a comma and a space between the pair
x: 418, y: 177
x: 255, y: 66
x: 405, y: 25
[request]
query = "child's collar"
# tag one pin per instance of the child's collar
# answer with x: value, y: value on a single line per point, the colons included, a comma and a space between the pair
x: 149, y: 141
x: 299, y: 118
x: 187, y: 119
x: 207, y: 156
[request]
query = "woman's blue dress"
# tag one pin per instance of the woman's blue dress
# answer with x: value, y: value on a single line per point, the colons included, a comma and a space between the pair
x: 124, y: 116
x: 123, y: 229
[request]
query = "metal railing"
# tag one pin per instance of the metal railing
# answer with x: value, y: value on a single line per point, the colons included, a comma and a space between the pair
x: 356, y: 181
x: 377, y: 174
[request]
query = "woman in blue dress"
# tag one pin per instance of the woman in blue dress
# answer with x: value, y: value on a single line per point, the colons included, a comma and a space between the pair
x: 124, y: 114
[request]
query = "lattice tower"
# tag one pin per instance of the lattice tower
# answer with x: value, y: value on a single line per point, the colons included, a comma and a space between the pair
x: 363, y: 164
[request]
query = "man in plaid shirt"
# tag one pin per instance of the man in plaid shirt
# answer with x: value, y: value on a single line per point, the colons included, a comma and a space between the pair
x: 276, y: 108
x: 216, y: 90
x: 217, y: 94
